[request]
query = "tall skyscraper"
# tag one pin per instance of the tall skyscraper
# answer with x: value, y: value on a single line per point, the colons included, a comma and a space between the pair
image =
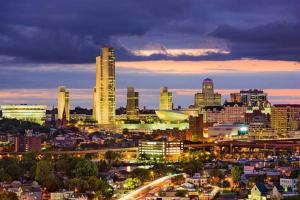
x: 207, y: 97
x: 104, y: 92
x: 132, y: 107
x: 63, y: 103
x: 94, y: 102
x: 166, y: 99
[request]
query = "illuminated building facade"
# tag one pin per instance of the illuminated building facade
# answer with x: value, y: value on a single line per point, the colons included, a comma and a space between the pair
x: 196, y: 127
x: 229, y: 113
x: 258, y: 117
x: 207, y: 97
x: 28, y: 143
x: 227, y: 130
x: 251, y: 97
x: 63, y: 103
x: 104, y: 94
x: 94, y: 103
x: 24, y: 112
x: 166, y: 99
x: 132, y: 107
x: 236, y: 97
x: 162, y: 150
x: 285, y: 117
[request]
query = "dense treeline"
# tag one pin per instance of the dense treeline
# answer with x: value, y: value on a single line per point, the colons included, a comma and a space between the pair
x: 70, y: 173
x: 16, y: 126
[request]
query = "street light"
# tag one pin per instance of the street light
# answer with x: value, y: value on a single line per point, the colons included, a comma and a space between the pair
x: 152, y: 174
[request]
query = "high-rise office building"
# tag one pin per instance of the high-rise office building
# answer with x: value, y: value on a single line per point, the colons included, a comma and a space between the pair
x: 63, y: 103
x: 285, y: 117
x: 104, y: 94
x: 207, y: 97
x: 166, y: 99
x: 132, y: 107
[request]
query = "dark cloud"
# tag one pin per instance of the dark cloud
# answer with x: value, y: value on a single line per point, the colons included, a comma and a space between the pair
x: 71, y: 31
x: 279, y: 41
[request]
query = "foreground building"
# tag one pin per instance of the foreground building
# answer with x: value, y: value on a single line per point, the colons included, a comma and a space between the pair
x: 104, y: 92
x: 63, y: 103
x: 25, y: 112
x: 166, y: 99
x: 207, y: 97
x: 132, y: 107
x: 160, y: 150
x: 285, y: 117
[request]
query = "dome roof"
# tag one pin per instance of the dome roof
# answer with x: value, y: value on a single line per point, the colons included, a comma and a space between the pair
x: 169, y: 115
x: 207, y: 80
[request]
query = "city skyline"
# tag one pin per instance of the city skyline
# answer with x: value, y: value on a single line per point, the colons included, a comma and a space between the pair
x: 159, y: 48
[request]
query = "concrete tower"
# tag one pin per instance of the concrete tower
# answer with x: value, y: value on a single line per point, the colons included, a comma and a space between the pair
x: 63, y: 103
x: 207, y: 97
x: 104, y: 92
x: 132, y: 107
x: 166, y: 99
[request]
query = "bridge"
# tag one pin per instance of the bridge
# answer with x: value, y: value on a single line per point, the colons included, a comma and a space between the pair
x: 292, y: 145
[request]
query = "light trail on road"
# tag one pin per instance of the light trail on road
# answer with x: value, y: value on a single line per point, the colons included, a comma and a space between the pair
x: 135, y: 193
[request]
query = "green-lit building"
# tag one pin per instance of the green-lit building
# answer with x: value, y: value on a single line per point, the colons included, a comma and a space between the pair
x: 25, y: 112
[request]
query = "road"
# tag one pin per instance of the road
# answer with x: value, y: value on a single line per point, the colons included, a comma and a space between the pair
x: 153, y: 186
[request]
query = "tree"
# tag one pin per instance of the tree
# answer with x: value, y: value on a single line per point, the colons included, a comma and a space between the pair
x: 236, y: 173
x: 4, y: 176
x: 101, y: 188
x: 103, y: 166
x: 77, y: 185
x: 45, y: 175
x: 192, y: 166
x: 63, y: 164
x: 178, y: 180
x: 132, y: 183
x: 251, y: 182
x: 216, y: 173
x: 8, y: 196
x: 142, y: 174
x: 28, y: 164
x: 11, y: 167
x: 85, y: 168
x: 112, y: 156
